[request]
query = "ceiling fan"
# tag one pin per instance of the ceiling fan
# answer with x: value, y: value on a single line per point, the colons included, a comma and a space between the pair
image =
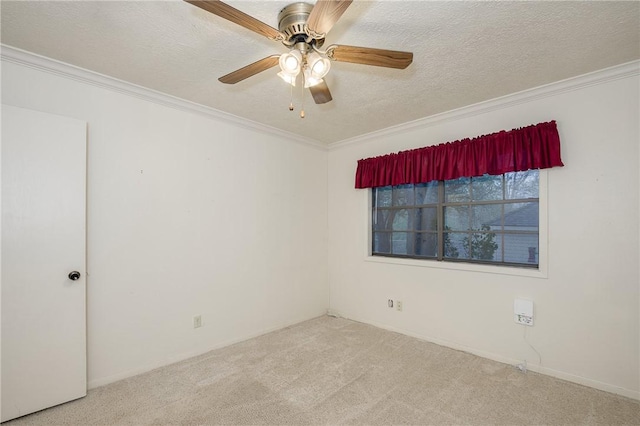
x: 302, y: 28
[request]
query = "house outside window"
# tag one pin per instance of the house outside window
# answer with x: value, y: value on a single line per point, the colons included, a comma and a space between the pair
x: 486, y: 219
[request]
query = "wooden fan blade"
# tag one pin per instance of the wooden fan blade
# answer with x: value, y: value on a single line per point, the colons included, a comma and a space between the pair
x: 324, y: 15
x: 232, y: 14
x: 321, y: 93
x: 250, y: 70
x: 370, y: 56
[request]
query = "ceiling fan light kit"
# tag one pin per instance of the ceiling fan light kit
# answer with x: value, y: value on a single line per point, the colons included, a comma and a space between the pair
x: 302, y: 28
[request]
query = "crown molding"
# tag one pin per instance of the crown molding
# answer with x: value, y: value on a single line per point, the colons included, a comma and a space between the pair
x: 52, y: 66
x: 72, y: 72
x: 617, y: 72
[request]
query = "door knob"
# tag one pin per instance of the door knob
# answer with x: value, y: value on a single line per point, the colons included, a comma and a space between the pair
x: 74, y: 275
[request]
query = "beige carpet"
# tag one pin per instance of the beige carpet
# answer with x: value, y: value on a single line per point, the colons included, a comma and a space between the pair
x: 336, y: 371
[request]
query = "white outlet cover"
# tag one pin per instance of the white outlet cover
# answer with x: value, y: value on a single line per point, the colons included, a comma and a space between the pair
x: 197, y: 321
x: 523, y: 307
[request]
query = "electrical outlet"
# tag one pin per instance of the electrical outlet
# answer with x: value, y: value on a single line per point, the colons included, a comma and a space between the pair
x: 524, y: 320
x: 197, y: 321
x: 399, y: 305
x: 390, y: 303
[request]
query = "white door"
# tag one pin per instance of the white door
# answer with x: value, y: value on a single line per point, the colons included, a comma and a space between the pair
x: 43, y: 241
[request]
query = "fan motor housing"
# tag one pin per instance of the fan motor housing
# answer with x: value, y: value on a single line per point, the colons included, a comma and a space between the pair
x: 292, y: 20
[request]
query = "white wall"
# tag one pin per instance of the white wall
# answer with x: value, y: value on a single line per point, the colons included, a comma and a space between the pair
x: 187, y: 215
x: 192, y: 215
x: 586, y: 309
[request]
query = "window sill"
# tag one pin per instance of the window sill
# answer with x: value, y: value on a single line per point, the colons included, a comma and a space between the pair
x: 459, y: 266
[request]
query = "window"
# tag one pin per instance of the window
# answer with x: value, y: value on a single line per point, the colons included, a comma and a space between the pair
x: 486, y: 219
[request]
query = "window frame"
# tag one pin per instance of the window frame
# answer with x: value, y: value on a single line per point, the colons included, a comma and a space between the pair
x: 461, y: 265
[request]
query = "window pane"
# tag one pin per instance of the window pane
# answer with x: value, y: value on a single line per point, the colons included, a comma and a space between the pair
x: 483, y: 246
x: 456, y: 218
x: 382, y: 219
x: 521, y: 216
x: 426, y: 219
x: 402, y: 195
x: 382, y: 197
x: 486, y: 217
x: 427, y: 193
x: 478, y: 225
x: 499, y: 240
x: 426, y: 244
x: 382, y: 242
x: 521, y: 185
x: 486, y: 187
x: 402, y: 243
x: 521, y: 248
x: 455, y: 245
x: 402, y: 219
x: 457, y: 190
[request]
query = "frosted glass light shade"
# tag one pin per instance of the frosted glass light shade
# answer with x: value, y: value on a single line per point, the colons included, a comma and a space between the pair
x: 288, y: 78
x: 309, y: 79
x: 290, y: 62
x: 319, y: 66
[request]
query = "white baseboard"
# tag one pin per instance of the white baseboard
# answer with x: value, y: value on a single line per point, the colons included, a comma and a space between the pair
x: 585, y: 381
x: 101, y: 381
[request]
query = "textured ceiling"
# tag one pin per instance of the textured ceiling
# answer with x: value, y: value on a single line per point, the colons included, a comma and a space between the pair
x: 464, y: 53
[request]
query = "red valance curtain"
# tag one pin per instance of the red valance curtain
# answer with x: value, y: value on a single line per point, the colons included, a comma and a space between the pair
x: 531, y: 147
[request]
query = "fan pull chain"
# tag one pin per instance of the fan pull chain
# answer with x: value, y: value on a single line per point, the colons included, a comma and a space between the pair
x: 291, y: 102
x: 302, y: 103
